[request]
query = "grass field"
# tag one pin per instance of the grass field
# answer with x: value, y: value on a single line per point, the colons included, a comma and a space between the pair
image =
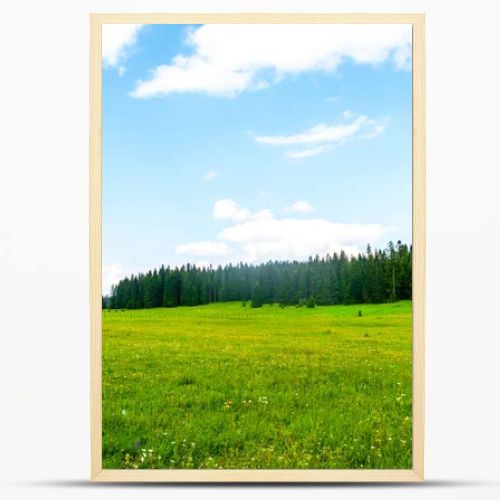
x: 226, y: 386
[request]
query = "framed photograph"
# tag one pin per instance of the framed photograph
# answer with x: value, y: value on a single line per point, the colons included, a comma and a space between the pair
x: 257, y: 247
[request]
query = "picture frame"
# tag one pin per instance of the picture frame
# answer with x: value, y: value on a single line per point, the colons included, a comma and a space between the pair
x: 418, y: 233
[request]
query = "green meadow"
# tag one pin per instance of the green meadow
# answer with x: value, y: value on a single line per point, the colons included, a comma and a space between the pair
x: 232, y: 387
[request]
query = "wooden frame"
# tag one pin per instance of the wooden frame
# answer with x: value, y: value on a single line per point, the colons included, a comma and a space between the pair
x: 95, y: 213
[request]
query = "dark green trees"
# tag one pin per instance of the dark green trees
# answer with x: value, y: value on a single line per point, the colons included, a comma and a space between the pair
x: 310, y: 303
x: 258, y: 295
x: 372, y: 277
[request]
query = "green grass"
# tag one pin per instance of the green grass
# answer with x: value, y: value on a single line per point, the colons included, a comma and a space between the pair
x: 226, y: 386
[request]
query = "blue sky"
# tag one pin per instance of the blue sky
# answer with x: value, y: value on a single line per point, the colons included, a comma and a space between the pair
x: 249, y: 143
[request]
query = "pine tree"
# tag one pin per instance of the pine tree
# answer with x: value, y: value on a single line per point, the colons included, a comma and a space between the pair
x: 257, y: 296
x: 373, y: 277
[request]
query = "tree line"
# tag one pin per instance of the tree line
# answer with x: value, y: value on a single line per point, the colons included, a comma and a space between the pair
x: 371, y: 277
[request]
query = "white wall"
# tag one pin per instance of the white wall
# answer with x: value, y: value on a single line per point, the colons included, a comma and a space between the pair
x: 44, y: 362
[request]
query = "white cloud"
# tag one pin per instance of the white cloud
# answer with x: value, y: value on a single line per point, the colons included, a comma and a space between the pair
x: 307, y: 153
x: 111, y: 275
x: 302, y: 207
x: 322, y: 137
x: 318, y: 133
x: 262, y: 239
x: 231, y: 58
x: 298, y: 239
x: 211, y: 175
x: 229, y: 210
x: 402, y: 57
x: 204, y: 248
x: 117, y: 39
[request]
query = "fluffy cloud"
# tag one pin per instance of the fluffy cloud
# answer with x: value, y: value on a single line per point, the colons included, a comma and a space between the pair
x: 301, y: 207
x: 229, y: 210
x: 229, y: 59
x: 317, y: 134
x: 307, y: 153
x: 116, y: 40
x: 297, y: 239
x: 252, y: 238
x: 204, y: 248
x: 111, y: 274
x: 211, y: 175
x: 322, y: 137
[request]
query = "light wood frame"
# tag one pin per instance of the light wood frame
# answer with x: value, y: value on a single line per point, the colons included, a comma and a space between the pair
x: 95, y: 257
